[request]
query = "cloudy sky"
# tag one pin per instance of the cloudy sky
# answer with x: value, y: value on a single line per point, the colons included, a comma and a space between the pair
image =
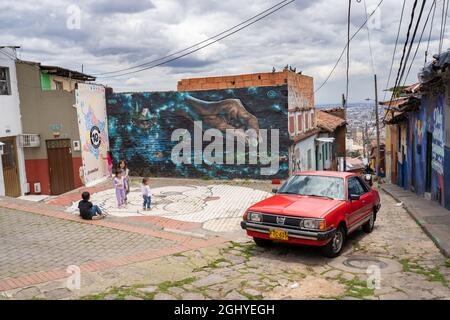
x: 307, y: 34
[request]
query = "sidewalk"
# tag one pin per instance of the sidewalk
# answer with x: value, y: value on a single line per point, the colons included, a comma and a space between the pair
x: 432, y: 218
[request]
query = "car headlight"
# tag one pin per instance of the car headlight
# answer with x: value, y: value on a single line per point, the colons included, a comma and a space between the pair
x: 313, y: 224
x: 254, y: 216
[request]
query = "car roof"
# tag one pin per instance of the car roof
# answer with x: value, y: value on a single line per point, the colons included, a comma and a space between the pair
x: 337, y: 174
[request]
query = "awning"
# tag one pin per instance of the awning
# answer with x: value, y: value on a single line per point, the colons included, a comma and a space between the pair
x: 329, y: 140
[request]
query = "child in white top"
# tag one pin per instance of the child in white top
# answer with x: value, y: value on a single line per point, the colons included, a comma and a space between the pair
x: 146, y: 194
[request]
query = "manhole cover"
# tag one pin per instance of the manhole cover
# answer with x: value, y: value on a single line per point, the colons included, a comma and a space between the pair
x: 360, y: 263
x: 364, y: 262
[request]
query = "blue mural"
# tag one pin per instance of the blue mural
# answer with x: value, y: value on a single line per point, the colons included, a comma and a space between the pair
x: 141, y: 127
x: 426, y: 156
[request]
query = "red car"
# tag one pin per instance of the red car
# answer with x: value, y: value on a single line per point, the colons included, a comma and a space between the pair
x: 318, y: 208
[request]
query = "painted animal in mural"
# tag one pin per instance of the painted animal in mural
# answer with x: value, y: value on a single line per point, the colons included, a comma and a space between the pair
x: 141, y: 125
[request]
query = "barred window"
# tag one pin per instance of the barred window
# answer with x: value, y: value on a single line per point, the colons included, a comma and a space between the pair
x: 5, y: 87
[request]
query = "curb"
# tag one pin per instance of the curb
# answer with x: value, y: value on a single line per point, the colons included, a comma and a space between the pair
x: 445, y: 251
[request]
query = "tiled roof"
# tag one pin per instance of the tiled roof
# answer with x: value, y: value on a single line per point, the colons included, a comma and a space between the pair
x: 329, y: 122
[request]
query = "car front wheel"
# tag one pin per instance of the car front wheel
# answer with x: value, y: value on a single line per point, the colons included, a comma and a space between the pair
x: 262, y: 242
x: 334, y: 247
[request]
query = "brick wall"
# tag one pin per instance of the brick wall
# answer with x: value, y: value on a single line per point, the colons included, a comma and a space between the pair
x: 296, y: 82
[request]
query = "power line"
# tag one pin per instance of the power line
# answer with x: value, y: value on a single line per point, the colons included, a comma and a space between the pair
x: 206, y: 45
x: 395, y: 49
x: 345, y: 47
x: 412, y: 40
x: 370, y: 42
x: 404, y: 49
x: 419, y: 42
x: 429, y: 34
x: 348, y: 53
x: 194, y: 45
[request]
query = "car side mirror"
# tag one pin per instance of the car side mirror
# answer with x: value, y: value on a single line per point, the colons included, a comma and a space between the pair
x: 354, y: 197
x: 275, y: 190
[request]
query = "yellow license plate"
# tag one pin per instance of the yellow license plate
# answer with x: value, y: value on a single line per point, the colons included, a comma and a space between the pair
x: 278, y: 235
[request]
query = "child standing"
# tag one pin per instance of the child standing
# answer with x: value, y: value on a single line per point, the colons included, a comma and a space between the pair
x: 146, y: 194
x: 120, y: 185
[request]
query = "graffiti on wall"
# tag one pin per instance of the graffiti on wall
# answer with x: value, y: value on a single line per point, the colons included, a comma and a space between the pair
x: 142, y: 127
x: 92, y: 123
x: 438, y: 140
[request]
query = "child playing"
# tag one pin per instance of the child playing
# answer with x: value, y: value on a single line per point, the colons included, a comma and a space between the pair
x: 146, y: 194
x: 120, y: 185
x: 88, y: 211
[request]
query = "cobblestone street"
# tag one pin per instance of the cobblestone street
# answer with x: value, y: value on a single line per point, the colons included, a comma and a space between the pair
x: 222, y: 265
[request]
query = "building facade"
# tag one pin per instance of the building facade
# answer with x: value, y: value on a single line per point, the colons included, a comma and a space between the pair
x: 418, y: 126
x: 12, y: 167
x: 49, y: 119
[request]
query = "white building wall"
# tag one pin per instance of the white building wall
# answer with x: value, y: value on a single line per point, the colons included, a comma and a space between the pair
x: 10, y: 119
x: 303, y: 155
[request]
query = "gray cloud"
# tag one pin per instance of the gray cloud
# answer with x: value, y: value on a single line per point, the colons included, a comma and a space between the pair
x: 308, y: 34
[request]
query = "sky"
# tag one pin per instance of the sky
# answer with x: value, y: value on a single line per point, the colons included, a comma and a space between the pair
x: 108, y: 35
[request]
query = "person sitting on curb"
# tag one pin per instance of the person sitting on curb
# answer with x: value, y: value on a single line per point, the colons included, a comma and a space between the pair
x: 88, y: 211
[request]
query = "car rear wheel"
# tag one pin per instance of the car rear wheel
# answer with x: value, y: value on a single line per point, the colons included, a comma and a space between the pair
x: 368, y: 226
x: 262, y: 242
x: 334, y: 247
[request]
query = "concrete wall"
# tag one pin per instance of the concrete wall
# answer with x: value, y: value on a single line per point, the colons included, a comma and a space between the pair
x: 303, y: 155
x: 51, y: 114
x: 10, y: 124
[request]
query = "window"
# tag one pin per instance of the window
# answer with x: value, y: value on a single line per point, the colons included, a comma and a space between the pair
x: 355, y: 187
x: 300, y: 122
x: 58, y: 85
x: 291, y: 124
x: 312, y: 185
x: 309, y: 159
x: 5, y: 86
x: 306, y: 121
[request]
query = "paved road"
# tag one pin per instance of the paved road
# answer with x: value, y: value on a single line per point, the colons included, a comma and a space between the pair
x: 410, y: 265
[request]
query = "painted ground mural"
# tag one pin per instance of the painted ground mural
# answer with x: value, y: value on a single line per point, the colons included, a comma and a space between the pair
x: 92, y: 122
x: 145, y: 129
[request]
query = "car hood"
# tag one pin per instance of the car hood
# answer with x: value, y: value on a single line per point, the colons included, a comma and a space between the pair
x: 295, y: 205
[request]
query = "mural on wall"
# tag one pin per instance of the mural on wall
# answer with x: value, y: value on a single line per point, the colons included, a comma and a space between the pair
x: 438, y: 140
x: 92, y: 123
x: 141, y: 128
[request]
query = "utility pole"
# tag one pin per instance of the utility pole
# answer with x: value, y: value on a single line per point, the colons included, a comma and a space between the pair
x: 377, y: 123
x: 344, y: 105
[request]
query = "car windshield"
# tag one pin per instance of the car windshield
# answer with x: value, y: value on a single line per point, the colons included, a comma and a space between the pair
x: 316, y: 186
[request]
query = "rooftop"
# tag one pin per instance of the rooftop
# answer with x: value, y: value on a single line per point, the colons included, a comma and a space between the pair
x: 329, y: 122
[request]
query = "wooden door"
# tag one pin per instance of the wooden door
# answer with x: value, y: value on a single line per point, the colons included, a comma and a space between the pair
x: 60, y: 166
x: 10, y: 167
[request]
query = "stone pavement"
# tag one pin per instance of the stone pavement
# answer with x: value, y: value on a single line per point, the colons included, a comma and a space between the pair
x: 39, y: 241
x: 433, y: 218
x: 215, y: 207
x: 410, y: 265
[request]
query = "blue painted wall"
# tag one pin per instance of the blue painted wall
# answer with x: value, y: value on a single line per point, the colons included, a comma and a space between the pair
x: 428, y: 119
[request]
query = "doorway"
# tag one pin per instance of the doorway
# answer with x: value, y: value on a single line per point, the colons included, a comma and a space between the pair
x: 10, y: 167
x: 60, y: 166
x: 428, y: 162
